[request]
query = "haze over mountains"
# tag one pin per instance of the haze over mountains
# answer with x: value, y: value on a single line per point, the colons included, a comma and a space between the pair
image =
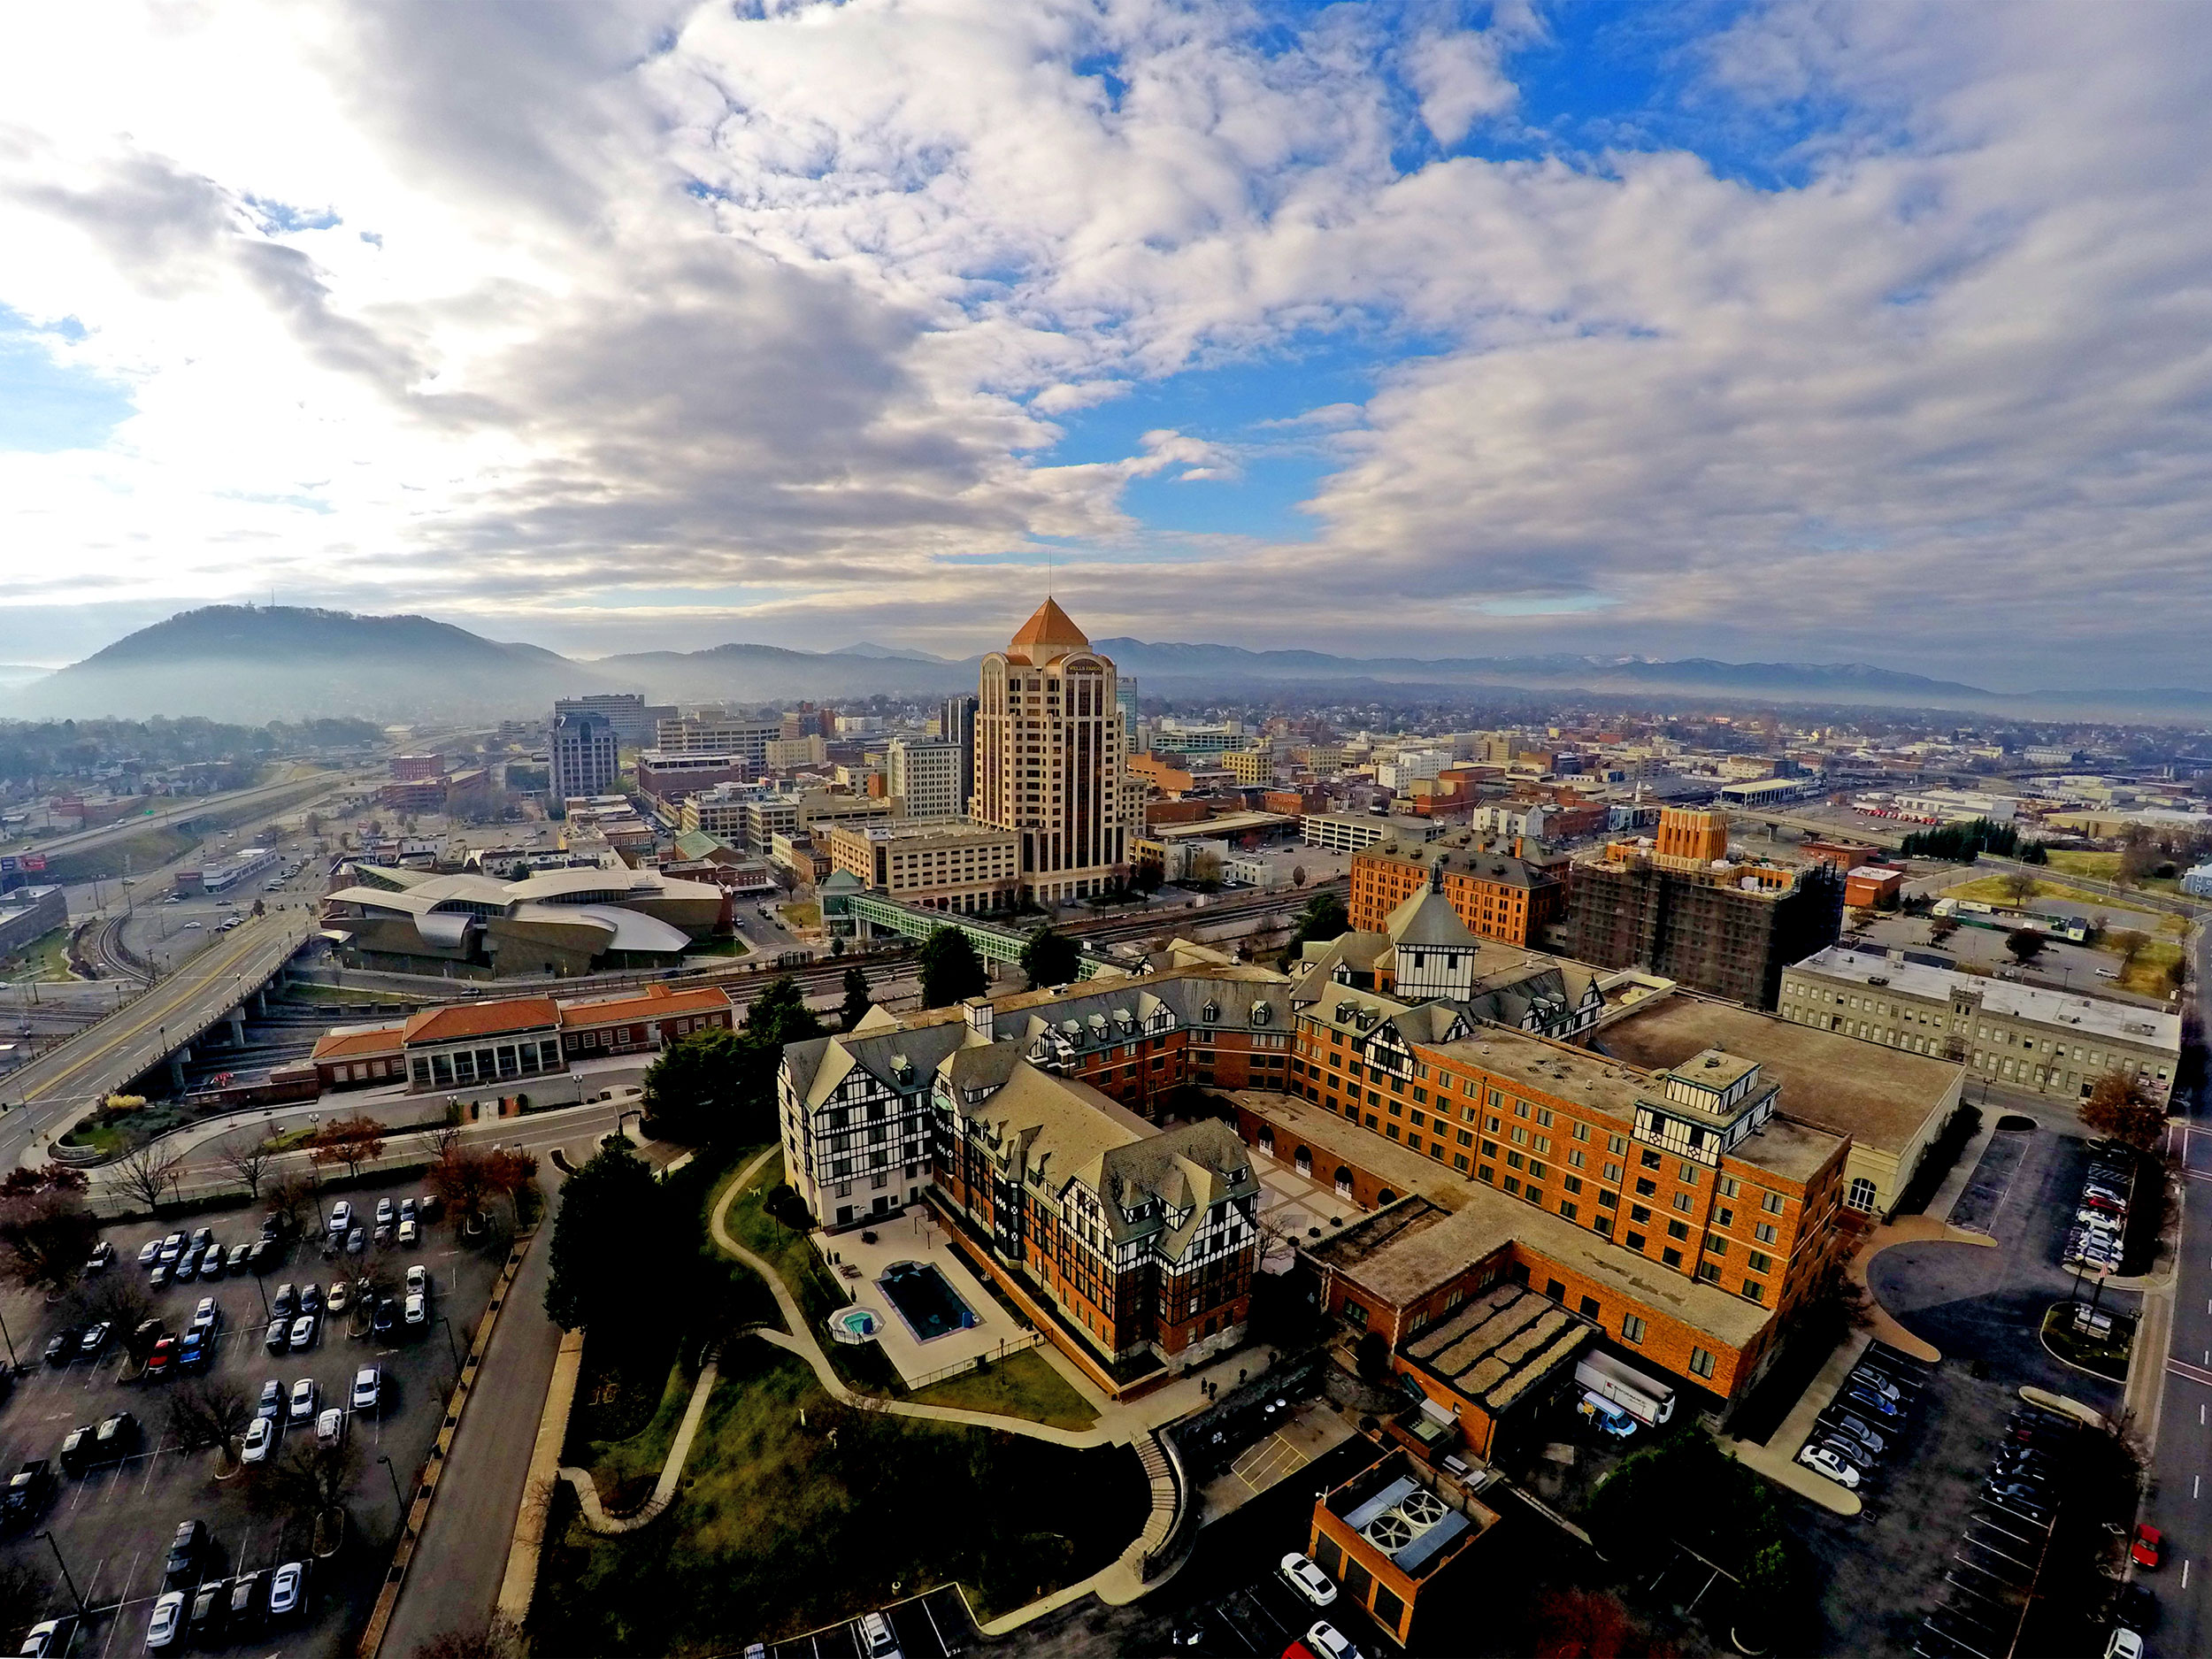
x: 255, y: 664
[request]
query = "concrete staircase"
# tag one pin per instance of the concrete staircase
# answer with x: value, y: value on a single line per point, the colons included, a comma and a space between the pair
x: 1167, y: 1502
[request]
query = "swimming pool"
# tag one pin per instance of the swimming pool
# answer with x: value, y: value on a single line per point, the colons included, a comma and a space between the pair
x: 855, y: 1326
x: 925, y: 1300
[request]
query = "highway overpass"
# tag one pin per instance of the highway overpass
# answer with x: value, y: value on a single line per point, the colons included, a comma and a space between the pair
x: 150, y: 1033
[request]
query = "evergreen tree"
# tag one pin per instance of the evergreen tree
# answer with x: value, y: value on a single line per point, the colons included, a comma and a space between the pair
x: 951, y: 971
x: 857, y: 1001
x: 1324, y: 919
x: 1050, y: 958
x: 611, y: 1217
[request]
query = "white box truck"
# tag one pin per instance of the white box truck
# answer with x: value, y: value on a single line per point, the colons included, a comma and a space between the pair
x: 1643, y: 1397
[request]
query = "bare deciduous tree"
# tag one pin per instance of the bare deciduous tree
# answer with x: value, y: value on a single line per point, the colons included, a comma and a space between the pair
x: 148, y: 1173
x: 247, y: 1156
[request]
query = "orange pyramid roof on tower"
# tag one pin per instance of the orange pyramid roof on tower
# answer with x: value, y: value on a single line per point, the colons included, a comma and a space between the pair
x: 1047, y: 635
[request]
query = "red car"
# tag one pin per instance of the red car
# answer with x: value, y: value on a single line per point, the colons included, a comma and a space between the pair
x: 2150, y: 1543
x: 163, y: 1355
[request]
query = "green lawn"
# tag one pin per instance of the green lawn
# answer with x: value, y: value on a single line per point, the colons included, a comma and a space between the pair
x: 730, y: 946
x: 781, y: 1528
x: 48, y: 958
x: 1023, y: 1385
x: 1993, y: 890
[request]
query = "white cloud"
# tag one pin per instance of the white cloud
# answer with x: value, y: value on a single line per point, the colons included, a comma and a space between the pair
x: 784, y: 309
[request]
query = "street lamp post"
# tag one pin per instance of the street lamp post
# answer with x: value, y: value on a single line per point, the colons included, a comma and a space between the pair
x: 74, y: 1595
x: 13, y: 1363
x: 452, y: 1347
x: 396, y: 1496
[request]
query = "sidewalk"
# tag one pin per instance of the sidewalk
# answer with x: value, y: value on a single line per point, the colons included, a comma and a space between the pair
x: 1777, y: 1460
x: 1905, y: 1230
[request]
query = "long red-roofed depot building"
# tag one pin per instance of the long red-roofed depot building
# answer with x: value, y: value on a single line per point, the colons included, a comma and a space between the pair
x: 469, y: 1045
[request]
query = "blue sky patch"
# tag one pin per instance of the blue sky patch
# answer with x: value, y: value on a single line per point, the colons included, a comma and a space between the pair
x: 47, y: 406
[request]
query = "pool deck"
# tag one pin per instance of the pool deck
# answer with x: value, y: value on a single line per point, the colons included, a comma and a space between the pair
x: 912, y: 1237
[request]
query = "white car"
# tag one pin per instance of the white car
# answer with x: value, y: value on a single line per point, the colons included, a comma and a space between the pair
x: 368, y: 1387
x: 305, y: 1392
x: 162, y: 1629
x: 260, y: 1441
x: 1328, y: 1642
x: 330, y: 1428
x: 206, y: 1314
x: 284, y: 1588
x: 1820, y: 1460
x: 2123, y: 1643
x: 410, y: 1233
x: 1308, y: 1579
x: 419, y: 1280
x: 341, y: 1216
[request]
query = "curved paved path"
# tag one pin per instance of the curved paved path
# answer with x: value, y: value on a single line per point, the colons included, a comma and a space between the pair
x: 1905, y: 1230
x: 595, y: 1516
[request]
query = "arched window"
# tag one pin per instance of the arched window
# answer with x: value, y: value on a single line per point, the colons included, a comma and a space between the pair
x: 1343, y: 1183
x: 1305, y: 1161
x: 1267, y: 1141
x: 1385, y: 1196
x: 1861, y: 1195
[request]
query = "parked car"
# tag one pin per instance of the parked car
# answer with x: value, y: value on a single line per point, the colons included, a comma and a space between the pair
x: 282, y: 1304
x: 164, y: 1358
x: 306, y: 1394
x: 150, y: 1252
x: 417, y: 1313
x: 142, y: 1339
x: 2036, y: 1492
x: 2123, y: 1644
x: 239, y: 1260
x: 330, y: 1427
x: 61, y: 1347
x: 28, y: 1488
x: 303, y: 1333
x: 261, y: 1435
x: 357, y: 1241
x: 1326, y: 1641
x: 2149, y: 1546
x: 418, y: 1280
x: 1856, y: 1428
x: 368, y: 1388
x: 95, y: 1339
x: 103, y: 1253
x: 249, y: 1597
x: 1308, y: 1579
x: 206, y: 1314
x: 185, y: 1549
x: 196, y: 1348
x: 172, y: 1248
x: 119, y: 1436
x: 1848, y: 1450
x: 287, y: 1589
x: 1867, y: 1377
x: 387, y: 1212
x: 386, y: 1317
x: 408, y: 1209
x: 1875, y: 1406
x: 45, y: 1639
x: 340, y: 1295
x: 277, y: 1338
x: 168, y: 1619
x: 340, y: 1218
x: 410, y: 1234
x: 1820, y: 1460
x: 76, y: 1449
x: 211, y: 1602
x: 159, y: 1277
x: 311, y: 1297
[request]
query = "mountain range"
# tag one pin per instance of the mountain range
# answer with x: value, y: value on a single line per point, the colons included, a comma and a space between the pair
x: 254, y: 664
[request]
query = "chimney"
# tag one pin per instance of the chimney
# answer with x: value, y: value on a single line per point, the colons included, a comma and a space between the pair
x: 980, y: 1015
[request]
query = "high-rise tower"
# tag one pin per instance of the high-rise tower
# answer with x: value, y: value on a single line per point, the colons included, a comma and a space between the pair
x: 1048, y: 757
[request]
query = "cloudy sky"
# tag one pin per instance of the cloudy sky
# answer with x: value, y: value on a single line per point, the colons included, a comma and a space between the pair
x: 1862, y: 332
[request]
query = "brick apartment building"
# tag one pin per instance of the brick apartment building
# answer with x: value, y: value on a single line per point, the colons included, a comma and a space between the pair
x: 1503, y: 895
x: 1681, y: 909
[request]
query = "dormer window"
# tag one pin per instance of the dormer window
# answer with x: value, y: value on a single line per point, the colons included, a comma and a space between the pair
x: 1261, y: 1013
x: 1210, y: 1013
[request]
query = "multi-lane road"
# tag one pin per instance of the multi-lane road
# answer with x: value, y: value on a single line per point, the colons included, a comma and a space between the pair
x: 47, y: 1094
x: 275, y: 795
x: 2179, y: 1502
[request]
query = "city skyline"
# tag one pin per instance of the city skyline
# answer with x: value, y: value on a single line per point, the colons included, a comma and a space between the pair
x: 1765, y: 332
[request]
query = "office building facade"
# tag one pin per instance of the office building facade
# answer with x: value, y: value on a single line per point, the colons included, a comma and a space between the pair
x: 586, y: 755
x: 1048, y: 757
x: 925, y: 777
x: 717, y: 732
x: 633, y: 717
